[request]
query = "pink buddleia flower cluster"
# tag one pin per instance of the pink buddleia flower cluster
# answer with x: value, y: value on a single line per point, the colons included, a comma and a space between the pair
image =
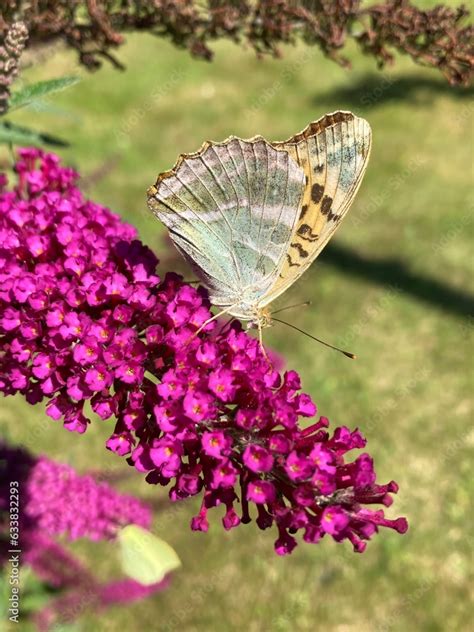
x: 54, y: 500
x: 62, y: 502
x: 57, y: 501
x: 84, y: 318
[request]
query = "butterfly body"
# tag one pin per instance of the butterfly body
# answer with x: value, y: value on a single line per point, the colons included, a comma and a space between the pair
x: 251, y: 216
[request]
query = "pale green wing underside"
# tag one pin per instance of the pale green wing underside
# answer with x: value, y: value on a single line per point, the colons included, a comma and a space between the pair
x: 231, y: 209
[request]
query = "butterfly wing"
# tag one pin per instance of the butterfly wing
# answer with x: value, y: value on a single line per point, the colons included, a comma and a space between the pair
x: 231, y: 209
x: 333, y: 152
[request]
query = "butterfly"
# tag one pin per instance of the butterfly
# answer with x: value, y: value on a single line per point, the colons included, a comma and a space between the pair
x: 251, y: 216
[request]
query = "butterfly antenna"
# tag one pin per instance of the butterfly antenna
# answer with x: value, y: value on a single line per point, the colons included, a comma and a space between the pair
x: 326, y: 344
x: 282, y: 309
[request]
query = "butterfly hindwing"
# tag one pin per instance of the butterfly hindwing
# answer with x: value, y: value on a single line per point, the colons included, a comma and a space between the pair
x: 333, y: 153
x: 231, y: 210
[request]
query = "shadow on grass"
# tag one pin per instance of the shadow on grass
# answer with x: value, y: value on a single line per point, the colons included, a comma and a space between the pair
x: 395, y: 273
x: 376, y: 89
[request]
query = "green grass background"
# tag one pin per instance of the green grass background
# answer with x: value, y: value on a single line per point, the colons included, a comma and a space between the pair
x: 393, y: 287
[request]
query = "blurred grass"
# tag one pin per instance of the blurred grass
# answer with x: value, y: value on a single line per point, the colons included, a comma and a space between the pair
x: 410, y: 389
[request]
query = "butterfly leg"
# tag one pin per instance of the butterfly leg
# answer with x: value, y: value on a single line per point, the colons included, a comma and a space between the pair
x: 209, y: 320
x: 226, y: 325
x: 260, y: 338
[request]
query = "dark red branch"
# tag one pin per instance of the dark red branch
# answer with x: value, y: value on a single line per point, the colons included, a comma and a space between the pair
x: 438, y: 37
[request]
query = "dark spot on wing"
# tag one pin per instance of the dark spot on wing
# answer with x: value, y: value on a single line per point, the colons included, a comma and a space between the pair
x: 301, y: 251
x: 326, y: 209
x: 318, y: 168
x: 290, y: 262
x: 326, y: 205
x: 304, y: 210
x: 317, y: 191
x: 305, y: 232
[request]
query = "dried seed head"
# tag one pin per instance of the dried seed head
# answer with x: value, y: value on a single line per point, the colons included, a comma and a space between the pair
x: 10, y: 54
x: 15, y: 40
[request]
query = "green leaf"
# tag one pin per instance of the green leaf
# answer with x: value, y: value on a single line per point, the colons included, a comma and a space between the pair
x: 35, y: 91
x: 145, y: 557
x: 17, y: 135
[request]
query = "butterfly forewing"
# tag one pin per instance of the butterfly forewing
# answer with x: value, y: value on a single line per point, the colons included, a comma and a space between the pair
x: 333, y: 153
x: 231, y: 209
